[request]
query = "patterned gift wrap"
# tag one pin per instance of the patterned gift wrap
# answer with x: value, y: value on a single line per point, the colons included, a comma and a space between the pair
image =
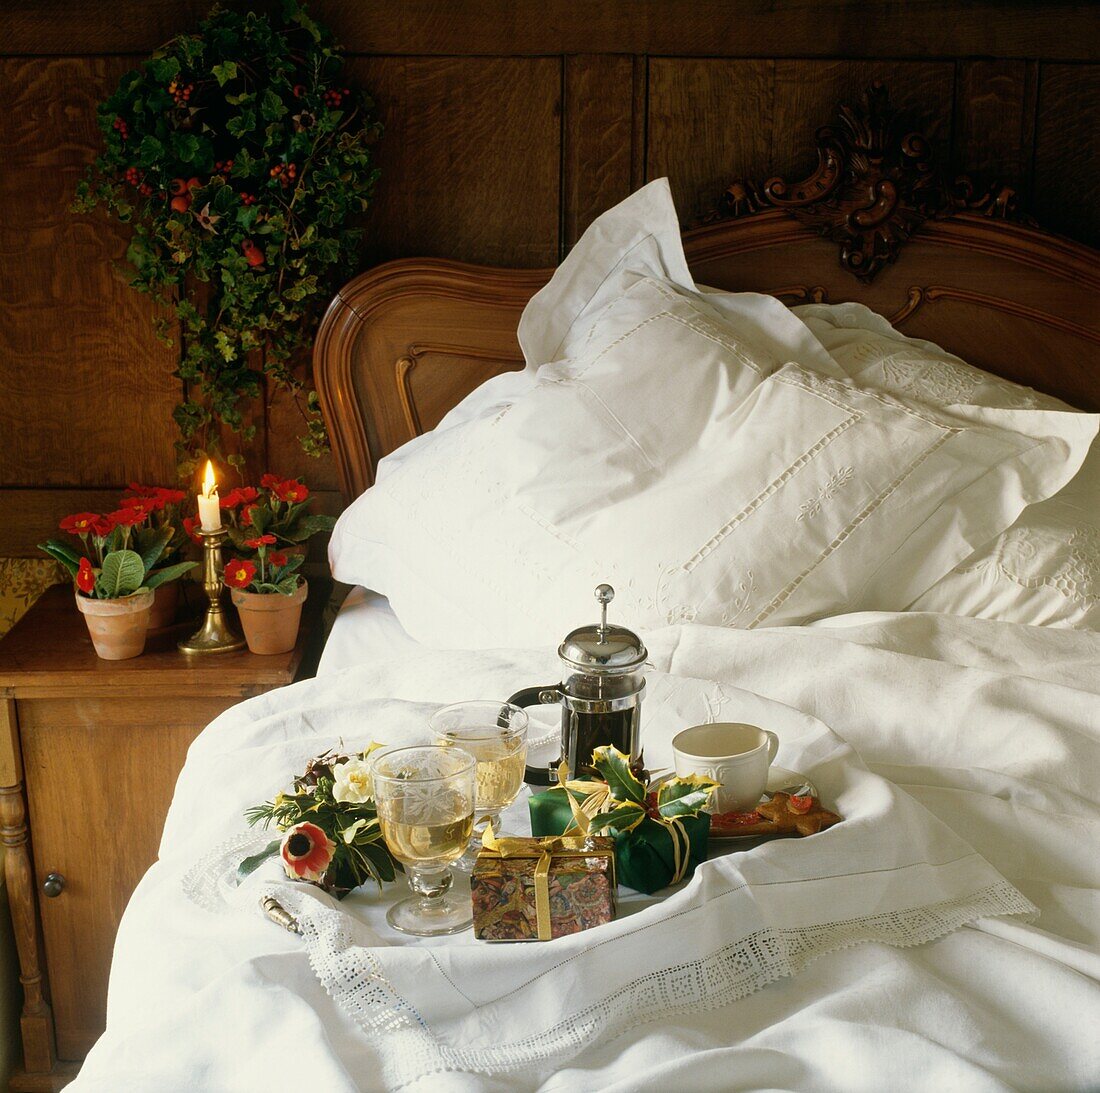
x: 572, y: 878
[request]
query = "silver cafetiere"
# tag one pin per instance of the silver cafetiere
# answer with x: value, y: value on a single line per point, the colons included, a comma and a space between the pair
x: 600, y: 694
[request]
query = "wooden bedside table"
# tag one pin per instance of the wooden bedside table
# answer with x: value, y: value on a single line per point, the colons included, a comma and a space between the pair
x: 84, y: 741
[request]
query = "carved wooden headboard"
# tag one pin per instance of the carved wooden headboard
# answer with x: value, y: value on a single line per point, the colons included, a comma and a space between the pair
x: 404, y: 342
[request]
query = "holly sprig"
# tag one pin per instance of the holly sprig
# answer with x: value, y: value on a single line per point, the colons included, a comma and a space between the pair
x: 619, y: 800
x: 240, y: 159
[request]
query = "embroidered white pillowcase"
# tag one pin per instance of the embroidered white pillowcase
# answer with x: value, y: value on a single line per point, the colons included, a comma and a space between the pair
x: 806, y: 497
x: 1045, y: 568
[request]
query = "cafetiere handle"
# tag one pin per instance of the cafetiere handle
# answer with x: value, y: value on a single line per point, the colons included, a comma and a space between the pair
x: 538, y: 696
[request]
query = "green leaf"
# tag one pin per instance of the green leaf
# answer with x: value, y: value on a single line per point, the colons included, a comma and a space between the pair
x: 162, y: 69
x: 614, y: 769
x: 121, y: 575
x: 63, y: 553
x: 225, y: 72
x: 684, y: 796
x: 624, y: 817
x: 254, y: 861
x: 150, y: 544
x: 243, y: 123
x: 168, y: 573
x: 184, y: 146
x: 271, y: 106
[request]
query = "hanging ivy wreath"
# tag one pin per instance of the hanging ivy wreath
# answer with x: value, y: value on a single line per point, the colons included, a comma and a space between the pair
x: 240, y: 159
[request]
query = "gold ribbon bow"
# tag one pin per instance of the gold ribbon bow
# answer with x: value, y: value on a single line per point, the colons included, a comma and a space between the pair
x: 598, y: 799
x: 545, y: 849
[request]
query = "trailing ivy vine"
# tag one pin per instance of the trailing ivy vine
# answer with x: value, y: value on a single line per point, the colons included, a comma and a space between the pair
x: 240, y: 159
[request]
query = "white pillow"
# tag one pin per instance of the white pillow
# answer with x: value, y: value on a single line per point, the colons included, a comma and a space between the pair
x: 1045, y: 568
x: 808, y: 497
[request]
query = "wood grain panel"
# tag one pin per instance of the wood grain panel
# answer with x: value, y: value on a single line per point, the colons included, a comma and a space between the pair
x: 27, y: 516
x: 761, y: 28
x: 1067, y: 151
x: 88, y: 388
x: 993, y: 115
x: 470, y: 158
x: 598, y: 127
x: 710, y: 121
x: 807, y: 94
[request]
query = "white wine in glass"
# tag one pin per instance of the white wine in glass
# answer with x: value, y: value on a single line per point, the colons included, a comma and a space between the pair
x: 425, y: 799
x: 495, y: 734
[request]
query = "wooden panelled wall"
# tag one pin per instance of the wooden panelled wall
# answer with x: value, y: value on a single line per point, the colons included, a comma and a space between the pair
x: 510, y: 124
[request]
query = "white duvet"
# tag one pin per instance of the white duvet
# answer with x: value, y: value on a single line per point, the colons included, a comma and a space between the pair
x: 900, y: 950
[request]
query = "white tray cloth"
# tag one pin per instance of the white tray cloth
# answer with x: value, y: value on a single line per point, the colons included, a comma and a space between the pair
x: 994, y: 727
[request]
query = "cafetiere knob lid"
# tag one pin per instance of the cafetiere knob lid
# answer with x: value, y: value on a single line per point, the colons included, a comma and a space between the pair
x: 603, y: 648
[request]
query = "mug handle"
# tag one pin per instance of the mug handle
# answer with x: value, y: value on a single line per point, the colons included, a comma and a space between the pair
x: 538, y: 696
x: 773, y: 746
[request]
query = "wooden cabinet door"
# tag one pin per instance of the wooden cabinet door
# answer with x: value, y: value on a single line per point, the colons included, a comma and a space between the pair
x: 100, y: 774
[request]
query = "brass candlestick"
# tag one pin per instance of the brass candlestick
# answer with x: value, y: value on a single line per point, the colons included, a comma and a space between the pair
x: 215, y: 635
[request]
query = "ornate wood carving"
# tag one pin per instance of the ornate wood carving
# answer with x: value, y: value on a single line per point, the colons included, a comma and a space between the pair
x: 875, y: 183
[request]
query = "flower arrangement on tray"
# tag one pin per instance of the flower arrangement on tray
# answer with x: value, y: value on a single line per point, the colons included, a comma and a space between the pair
x: 240, y: 159
x: 658, y: 823
x: 330, y: 832
x: 118, y: 560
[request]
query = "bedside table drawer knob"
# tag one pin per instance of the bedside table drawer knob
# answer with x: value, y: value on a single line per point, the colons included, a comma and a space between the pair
x: 53, y: 885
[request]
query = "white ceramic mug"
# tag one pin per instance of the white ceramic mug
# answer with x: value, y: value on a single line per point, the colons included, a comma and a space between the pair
x: 736, y: 756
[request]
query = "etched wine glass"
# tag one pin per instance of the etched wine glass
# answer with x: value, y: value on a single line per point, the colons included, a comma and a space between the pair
x: 425, y: 799
x: 495, y: 734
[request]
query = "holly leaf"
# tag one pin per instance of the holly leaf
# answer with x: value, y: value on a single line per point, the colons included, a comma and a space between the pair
x: 684, y: 796
x: 614, y: 769
x: 254, y: 861
x: 624, y: 817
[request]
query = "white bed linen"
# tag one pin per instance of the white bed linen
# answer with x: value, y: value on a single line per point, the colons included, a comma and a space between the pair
x: 365, y: 629
x: 993, y: 728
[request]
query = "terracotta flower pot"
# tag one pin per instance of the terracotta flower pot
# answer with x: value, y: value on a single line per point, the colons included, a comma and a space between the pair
x: 166, y: 600
x: 269, y: 619
x: 117, y: 627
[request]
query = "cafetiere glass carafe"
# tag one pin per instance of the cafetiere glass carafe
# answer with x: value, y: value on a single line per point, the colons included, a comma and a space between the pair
x: 600, y: 694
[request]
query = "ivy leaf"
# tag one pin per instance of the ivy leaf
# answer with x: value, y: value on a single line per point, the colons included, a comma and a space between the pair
x: 150, y: 150
x: 244, y: 122
x: 121, y: 575
x: 614, y: 769
x: 225, y: 72
x: 162, y: 69
x: 684, y: 796
x: 184, y: 146
x: 271, y: 106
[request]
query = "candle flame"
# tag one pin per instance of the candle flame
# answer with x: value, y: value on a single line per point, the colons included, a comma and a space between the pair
x: 208, y: 481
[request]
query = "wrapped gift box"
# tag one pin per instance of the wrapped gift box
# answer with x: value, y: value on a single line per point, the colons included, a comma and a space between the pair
x: 538, y: 889
x: 646, y: 858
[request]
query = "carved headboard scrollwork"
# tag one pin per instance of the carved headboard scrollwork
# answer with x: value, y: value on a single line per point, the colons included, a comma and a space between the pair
x: 875, y: 183
x: 403, y: 343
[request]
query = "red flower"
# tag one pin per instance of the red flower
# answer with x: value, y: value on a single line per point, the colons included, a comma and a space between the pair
x: 270, y: 481
x: 169, y: 497
x: 239, y: 573
x: 246, y: 515
x: 191, y: 526
x: 127, y: 517
x: 262, y: 541
x: 290, y: 490
x: 102, y: 526
x: 80, y: 523
x: 277, y: 558
x: 306, y: 852
x: 141, y: 507
x: 242, y: 495
x: 85, y: 576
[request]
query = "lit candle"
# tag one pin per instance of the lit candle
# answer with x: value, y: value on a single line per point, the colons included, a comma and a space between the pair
x: 210, y: 513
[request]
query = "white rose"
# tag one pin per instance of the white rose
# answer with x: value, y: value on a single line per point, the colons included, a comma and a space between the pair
x: 353, y: 783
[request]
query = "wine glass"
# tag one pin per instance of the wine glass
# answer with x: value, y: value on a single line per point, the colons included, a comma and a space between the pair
x: 425, y: 800
x: 495, y: 734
